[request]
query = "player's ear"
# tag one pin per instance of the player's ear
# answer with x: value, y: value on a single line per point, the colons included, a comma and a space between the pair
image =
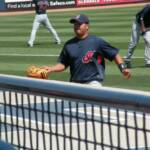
x: 87, y: 27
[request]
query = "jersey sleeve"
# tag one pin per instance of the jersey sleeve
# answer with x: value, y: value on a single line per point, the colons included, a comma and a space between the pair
x: 108, y: 51
x: 145, y: 10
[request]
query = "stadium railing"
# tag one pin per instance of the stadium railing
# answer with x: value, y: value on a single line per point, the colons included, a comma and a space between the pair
x: 52, y: 115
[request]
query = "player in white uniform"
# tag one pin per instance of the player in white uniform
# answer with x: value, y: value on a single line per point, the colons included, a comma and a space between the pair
x: 42, y: 18
x: 141, y: 26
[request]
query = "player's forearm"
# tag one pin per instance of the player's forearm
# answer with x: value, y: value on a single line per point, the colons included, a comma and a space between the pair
x: 57, y: 68
x: 142, y: 26
x: 119, y: 61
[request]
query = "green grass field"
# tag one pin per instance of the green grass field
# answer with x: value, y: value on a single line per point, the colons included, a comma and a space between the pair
x: 114, y: 25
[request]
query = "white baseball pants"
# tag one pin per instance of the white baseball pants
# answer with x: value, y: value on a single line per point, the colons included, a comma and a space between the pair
x: 42, y: 19
x: 95, y: 84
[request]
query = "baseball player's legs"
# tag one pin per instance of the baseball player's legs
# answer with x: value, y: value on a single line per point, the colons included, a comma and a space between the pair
x: 147, y: 48
x: 35, y: 27
x: 52, y: 30
x: 135, y: 36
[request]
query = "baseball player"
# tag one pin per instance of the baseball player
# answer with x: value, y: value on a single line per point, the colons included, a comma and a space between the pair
x: 140, y: 26
x: 85, y: 55
x: 42, y: 18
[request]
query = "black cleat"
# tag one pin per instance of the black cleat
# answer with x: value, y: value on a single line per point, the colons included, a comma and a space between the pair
x: 29, y: 45
x: 128, y: 63
x: 58, y: 42
x: 147, y: 65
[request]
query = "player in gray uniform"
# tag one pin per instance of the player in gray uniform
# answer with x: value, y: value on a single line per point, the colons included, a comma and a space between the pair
x: 42, y: 18
x: 140, y: 26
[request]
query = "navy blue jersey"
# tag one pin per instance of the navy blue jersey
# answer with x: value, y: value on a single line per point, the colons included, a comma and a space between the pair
x: 37, y: 7
x: 86, y: 58
x: 145, y: 14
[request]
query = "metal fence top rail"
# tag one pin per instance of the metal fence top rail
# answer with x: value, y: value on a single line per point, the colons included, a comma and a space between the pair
x: 113, y: 97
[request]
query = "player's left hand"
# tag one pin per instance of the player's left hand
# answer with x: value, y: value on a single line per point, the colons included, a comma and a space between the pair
x: 127, y: 73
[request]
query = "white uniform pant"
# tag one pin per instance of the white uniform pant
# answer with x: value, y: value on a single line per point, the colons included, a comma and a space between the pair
x: 95, y: 84
x: 42, y: 19
x: 135, y: 36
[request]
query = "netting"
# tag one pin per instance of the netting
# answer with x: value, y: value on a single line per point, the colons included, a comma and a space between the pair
x: 43, y: 122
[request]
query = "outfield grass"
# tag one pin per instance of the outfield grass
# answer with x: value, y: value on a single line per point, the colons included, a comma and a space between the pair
x: 114, y: 25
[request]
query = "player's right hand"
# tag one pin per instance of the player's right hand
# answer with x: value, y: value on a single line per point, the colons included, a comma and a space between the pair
x: 48, y: 68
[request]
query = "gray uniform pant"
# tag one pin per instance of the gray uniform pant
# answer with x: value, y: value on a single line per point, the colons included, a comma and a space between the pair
x: 135, y: 36
x: 42, y: 19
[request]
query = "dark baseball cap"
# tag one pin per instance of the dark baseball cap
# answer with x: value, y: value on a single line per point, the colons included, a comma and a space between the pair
x: 80, y: 19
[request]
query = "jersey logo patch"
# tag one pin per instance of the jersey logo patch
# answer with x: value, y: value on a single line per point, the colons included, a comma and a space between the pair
x: 88, y: 57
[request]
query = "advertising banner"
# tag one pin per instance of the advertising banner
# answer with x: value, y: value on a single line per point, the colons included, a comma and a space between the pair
x: 104, y: 2
x: 16, y: 4
x: 26, y: 4
x: 12, y: 1
x: 61, y: 3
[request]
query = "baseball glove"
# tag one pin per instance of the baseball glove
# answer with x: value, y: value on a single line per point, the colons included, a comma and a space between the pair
x: 37, y: 72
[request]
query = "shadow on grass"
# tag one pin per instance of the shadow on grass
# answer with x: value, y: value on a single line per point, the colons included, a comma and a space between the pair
x: 138, y: 66
x: 138, y: 63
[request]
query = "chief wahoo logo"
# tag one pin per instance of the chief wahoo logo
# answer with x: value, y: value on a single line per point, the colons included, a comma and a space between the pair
x: 88, y: 57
